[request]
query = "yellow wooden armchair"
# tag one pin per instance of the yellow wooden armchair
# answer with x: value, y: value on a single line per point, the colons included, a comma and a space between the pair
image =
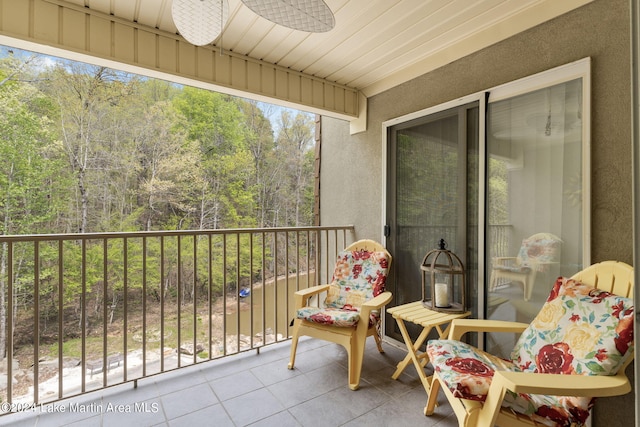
x: 536, y: 254
x: 583, y: 332
x: 351, y: 310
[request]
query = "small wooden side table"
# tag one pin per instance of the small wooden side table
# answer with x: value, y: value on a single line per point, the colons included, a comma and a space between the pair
x: 417, y: 313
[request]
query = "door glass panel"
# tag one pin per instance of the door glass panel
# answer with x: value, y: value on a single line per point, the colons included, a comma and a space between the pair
x: 534, y: 201
x: 432, y: 193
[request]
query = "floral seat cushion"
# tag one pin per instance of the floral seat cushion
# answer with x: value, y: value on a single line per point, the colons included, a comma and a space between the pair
x: 579, y: 331
x: 466, y: 370
x: 536, y: 252
x: 358, y: 277
x: 330, y: 316
x: 512, y: 268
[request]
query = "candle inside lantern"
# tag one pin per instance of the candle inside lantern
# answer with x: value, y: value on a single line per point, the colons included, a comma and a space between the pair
x: 442, y: 295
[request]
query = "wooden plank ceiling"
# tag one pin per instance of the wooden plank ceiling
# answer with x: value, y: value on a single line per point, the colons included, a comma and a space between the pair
x: 375, y: 44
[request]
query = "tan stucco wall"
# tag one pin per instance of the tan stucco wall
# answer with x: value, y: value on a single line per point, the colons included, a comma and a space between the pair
x: 600, y: 30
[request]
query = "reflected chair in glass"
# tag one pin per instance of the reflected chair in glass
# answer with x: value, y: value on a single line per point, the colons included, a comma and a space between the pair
x: 584, y: 332
x: 536, y: 254
x: 352, y: 308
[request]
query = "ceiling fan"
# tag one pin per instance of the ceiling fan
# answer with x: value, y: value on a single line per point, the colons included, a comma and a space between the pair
x: 200, y: 22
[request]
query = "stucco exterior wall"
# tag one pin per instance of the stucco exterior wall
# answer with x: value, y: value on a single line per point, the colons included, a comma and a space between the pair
x: 600, y: 30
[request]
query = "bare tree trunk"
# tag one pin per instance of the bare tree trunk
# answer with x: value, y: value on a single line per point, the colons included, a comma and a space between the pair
x: 84, y: 202
x: 114, y: 304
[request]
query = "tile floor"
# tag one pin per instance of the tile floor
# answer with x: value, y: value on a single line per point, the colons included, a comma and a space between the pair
x: 254, y: 389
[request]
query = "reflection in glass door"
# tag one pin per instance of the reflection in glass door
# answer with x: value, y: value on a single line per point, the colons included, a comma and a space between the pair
x: 432, y: 194
x: 534, y: 200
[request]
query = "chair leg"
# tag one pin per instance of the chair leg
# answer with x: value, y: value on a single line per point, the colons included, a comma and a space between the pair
x: 294, y: 343
x: 376, y: 336
x: 488, y: 414
x: 355, y: 366
x: 356, y: 354
x: 492, y: 282
x: 528, y: 283
x: 432, y: 399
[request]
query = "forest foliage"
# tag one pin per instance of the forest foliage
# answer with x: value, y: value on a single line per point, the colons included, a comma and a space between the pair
x: 89, y: 149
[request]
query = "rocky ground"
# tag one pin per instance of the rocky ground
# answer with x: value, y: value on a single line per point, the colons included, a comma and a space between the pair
x: 48, y: 379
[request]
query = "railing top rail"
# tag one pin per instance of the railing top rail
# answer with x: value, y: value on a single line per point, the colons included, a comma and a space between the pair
x: 139, y: 234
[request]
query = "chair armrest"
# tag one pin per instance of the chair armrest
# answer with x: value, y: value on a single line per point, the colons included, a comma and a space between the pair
x: 377, y: 302
x: 302, y: 296
x: 503, y: 259
x: 459, y: 327
x: 564, y: 385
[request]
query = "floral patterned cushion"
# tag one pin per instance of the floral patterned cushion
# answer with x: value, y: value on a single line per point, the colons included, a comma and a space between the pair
x: 538, y: 251
x: 579, y: 331
x: 330, y: 316
x: 358, y: 277
x: 466, y: 370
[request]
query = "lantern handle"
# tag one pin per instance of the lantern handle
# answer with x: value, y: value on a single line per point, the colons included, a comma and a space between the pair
x: 442, y: 245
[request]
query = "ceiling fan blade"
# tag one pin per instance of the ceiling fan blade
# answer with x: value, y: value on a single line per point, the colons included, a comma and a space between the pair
x: 200, y: 22
x: 305, y: 15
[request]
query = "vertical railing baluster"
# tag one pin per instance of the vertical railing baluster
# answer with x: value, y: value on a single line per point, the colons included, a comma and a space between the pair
x: 60, y: 316
x: 326, y: 258
x: 308, y: 239
x: 195, y: 299
x: 83, y: 315
x: 297, y: 261
x: 252, y: 332
x: 287, y: 269
x: 297, y: 284
x: 264, y: 287
x: 125, y: 306
x: 9, y: 321
x: 179, y: 282
x: 162, y: 266
x: 144, y: 306
x: 210, y: 297
x: 224, y: 294
x: 105, y: 282
x: 36, y: 321
x: 275, y: 284
x: 317, y: 267
x: 237, y: 293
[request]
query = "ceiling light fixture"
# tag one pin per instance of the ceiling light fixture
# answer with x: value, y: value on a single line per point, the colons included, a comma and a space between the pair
x: 200, y: 22
x: 312, y: 16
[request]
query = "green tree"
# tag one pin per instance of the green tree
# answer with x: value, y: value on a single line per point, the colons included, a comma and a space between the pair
x: 27, y: 179
x: 224, y: 198
x: 294, y: 151
x: 498, y: 192
x: 167, y: 167
x: 87, y: 98
x: 260, y: 142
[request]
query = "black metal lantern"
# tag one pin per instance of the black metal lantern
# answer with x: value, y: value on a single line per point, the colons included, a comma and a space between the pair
x: 443, y: 281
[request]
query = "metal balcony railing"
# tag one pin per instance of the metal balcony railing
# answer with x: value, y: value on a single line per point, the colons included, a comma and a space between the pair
x: 81, y: 312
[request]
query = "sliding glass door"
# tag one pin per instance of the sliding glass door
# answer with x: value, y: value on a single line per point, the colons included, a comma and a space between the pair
x: 535, y: 218
x: 503, y: 177
x: 432, y: 195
